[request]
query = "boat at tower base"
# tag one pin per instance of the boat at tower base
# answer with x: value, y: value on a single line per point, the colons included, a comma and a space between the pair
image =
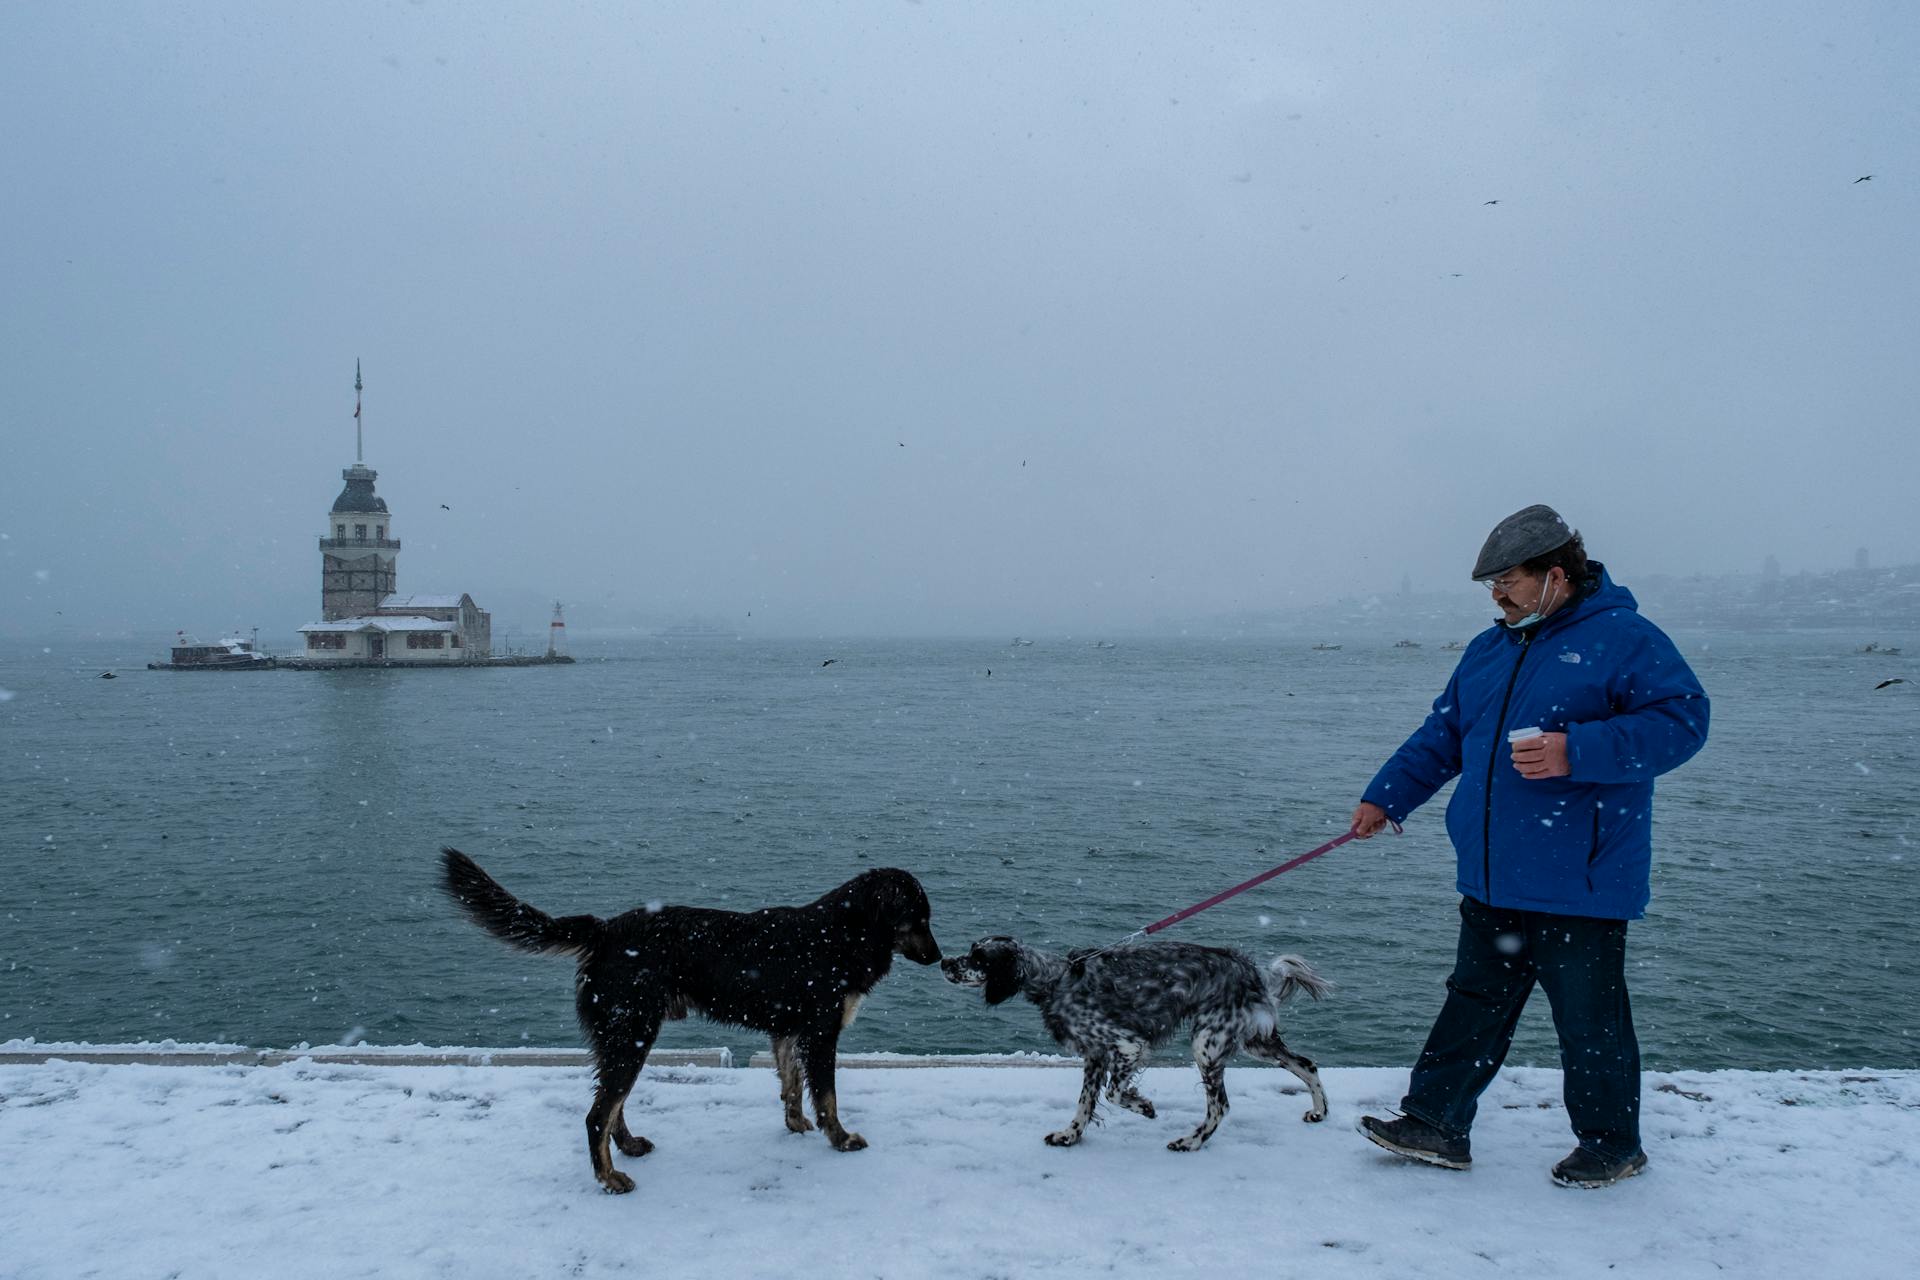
x: 232, y: 653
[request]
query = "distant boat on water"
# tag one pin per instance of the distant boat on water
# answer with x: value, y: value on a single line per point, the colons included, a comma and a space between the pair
x: 231, y: 654
x: 1326, y: 648
x: 1453, y: 646
x: 1406, y: 644
x: 1873, y: 646
x: 1018, y: 643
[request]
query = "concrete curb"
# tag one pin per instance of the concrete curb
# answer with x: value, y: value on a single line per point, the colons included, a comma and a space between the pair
x: 359, y: 1056
x: 407, y: 1056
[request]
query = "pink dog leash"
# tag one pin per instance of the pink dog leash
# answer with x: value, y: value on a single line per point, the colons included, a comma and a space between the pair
x: 1240, y: 888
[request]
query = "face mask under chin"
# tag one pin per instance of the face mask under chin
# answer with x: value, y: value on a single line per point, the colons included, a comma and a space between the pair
x: 1539, y: 611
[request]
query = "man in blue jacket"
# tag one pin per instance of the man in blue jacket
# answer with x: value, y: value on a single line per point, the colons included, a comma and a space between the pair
x: 1556, y: 722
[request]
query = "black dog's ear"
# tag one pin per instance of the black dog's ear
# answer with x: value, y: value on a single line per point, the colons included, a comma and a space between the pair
x: 895, y: 895
x: 1003, y: 977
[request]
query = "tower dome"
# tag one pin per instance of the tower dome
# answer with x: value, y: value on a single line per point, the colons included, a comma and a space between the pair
x: 359, y: 494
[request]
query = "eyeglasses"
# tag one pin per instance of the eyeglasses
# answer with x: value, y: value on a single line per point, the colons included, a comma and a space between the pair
x: 1503, y: 584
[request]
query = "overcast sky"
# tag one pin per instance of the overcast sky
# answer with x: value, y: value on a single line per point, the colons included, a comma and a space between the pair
x: 910, y: 317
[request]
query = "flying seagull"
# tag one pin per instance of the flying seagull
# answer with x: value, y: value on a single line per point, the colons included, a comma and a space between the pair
x: 1489, y: 202
x: 445, y: 507
x: 1867, y: 178
x: 829, y: 662
x: 1896, y: 680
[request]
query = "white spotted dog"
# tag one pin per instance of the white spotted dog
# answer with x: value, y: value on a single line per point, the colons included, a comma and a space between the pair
x: 1112, y: 1007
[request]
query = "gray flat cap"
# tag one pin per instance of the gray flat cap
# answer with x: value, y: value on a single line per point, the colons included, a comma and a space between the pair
x: 1529, y: 532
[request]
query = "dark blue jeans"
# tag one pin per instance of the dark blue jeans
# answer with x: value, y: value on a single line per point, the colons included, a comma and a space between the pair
x: 1581, y: 962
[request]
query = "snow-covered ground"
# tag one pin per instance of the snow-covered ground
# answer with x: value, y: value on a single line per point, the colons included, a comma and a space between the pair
x: 325, y: 1169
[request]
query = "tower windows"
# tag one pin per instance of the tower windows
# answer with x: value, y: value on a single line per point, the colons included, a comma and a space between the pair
x: 359, y: 533
x: 340, y: 532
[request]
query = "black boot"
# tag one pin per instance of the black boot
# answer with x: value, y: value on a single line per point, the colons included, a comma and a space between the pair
x: 1417, y: 1140
x: 1589, y: 1169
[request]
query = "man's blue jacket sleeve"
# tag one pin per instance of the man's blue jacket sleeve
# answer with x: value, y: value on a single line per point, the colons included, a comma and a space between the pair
x: 1425, y: 762
x: 1659, y: 719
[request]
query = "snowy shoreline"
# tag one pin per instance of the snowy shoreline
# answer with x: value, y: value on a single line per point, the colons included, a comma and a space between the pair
x: 173, y: 1053
x: 318, y: 1167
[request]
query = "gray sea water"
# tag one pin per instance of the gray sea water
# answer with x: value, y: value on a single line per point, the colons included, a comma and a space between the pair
x: 251, y: 858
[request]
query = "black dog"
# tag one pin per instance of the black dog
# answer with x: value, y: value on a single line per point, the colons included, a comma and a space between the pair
x: 1112, y: 1006
x: 796, y: 973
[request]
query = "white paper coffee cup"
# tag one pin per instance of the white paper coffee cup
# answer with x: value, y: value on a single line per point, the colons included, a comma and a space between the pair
x: 1521, y: 735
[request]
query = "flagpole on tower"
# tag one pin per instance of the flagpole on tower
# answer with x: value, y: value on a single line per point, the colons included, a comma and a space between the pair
x: 358, y: 457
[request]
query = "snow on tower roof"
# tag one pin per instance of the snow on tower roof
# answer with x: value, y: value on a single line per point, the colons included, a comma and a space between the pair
x: 422, y: 600
x: 380, y: 624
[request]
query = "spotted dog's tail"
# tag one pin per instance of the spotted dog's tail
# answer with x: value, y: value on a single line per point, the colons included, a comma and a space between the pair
x: 504, y: 916
x: 1286, y: 974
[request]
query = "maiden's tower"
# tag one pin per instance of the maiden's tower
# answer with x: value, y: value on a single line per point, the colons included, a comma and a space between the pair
x: 363, y: 617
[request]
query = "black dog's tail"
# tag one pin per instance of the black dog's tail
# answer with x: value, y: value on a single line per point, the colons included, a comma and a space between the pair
x: 509, y: 919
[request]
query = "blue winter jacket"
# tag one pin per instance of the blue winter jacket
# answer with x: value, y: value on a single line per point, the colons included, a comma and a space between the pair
x: 1631, y: 709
